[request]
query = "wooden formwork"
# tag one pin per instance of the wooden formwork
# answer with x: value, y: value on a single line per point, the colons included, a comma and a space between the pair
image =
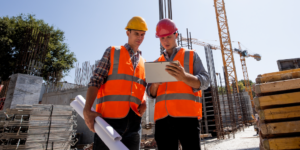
x: 278, y: 107
x: 38, y: 127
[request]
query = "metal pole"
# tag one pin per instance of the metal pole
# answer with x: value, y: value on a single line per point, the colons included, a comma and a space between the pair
x: 165, y: 9
x: 191, y: 40
x: 188, y: 41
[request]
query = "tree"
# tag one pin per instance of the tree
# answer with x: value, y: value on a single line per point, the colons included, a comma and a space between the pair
x: 241, y: 85
x: 251, y: 83
x: 59, y: 59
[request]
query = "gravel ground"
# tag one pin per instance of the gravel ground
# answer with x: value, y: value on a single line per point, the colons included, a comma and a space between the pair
x: 244, y: 140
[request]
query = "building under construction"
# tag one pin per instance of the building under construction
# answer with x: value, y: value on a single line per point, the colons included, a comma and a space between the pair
x: 226, y: 109
x: 224, y: 113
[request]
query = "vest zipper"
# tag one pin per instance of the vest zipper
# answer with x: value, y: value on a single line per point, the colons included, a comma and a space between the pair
x: 166, y: 100
x: 130, y: 99
x: 131, y: 88
x: 132, y: 81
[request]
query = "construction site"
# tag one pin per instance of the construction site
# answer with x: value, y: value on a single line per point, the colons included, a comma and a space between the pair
x: 35, y: 113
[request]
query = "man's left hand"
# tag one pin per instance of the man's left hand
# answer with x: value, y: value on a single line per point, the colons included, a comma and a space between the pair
x: 142, y: 108
x: 176, y: 71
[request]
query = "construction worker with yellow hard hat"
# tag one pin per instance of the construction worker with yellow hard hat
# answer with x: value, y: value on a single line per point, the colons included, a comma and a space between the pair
x: 119, y: 84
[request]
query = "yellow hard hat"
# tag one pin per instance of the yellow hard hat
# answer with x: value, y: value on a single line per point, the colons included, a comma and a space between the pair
x: 137, y: 23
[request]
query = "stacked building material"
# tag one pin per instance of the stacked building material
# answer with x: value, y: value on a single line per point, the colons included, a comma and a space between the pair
x: 38, y: 127
x: 278, y: 106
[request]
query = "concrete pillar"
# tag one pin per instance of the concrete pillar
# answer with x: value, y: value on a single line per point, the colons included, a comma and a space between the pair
x: 23, y: 89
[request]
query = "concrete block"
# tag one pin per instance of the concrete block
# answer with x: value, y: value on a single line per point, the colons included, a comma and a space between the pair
x: 23, y: 89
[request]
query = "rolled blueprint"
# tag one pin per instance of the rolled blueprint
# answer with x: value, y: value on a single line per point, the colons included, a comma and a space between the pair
x: 110, y: 143
x: 102, y: 123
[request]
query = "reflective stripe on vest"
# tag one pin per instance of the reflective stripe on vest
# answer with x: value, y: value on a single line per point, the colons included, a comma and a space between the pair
x: 119, y: 98
x: 127, y: 77
x: 177, y: 99
x: 124, y: 88
x: 181, y: 96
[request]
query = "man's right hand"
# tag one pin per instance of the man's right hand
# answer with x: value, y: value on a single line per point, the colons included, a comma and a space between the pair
x: 157, y: 84
x: 89, y: 118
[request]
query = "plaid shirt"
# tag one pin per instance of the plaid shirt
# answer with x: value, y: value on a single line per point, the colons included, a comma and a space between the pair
x: 101, y: 72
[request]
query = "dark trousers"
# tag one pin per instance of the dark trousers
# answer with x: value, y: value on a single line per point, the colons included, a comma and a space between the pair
x: 127, y: 127
x: 170, y: 130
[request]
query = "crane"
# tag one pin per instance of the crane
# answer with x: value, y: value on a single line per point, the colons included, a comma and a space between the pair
x: 225, y: 44
x: 243, y: 54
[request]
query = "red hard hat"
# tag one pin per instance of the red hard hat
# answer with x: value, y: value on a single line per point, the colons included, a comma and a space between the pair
x: 165, y: 27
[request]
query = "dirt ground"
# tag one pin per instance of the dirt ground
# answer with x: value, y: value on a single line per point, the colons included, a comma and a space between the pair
x: 244, y: 140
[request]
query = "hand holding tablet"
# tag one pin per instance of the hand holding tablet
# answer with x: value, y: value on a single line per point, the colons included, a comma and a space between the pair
x: 156, y: 72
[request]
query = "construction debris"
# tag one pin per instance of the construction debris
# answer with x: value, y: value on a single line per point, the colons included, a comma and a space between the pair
x: 89, y: 146
x: 278, y: 106
x: 38, y: 127
x: 148, y: 143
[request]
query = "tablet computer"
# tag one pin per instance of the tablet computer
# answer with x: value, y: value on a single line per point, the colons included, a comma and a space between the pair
x: 156, y: 72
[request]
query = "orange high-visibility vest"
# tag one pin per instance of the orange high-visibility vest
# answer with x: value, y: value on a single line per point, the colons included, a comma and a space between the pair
x: 124, y: 88
x: 177, y: 99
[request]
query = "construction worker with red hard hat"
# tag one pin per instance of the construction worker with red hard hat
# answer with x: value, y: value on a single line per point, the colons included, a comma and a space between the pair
x: 119, y: 84
x: 178, y: 105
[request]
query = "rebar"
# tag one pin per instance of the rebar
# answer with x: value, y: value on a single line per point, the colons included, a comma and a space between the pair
x: 237, y: 106
x: 188, y: 43
x: 231, y: 108
x: 33, y: 52
x: 244, y: 108
x: 83, y: 74
x: 226, y: 118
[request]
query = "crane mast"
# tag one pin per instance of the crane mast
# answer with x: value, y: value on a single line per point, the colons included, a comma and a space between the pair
x: 225, y: 43
x: 246, y: 77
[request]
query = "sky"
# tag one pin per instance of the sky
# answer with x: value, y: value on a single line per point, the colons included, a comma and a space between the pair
x: 269, y: 27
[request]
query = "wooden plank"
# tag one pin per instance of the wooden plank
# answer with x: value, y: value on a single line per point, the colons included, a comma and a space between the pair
x: 280, y: 72
x: 280, y: 128
x: 277, y: 86
x: 281, y: 143
x: 276, y: 100
x: 278, y: 77
x: 205, y: 135
x: 280, y: 113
